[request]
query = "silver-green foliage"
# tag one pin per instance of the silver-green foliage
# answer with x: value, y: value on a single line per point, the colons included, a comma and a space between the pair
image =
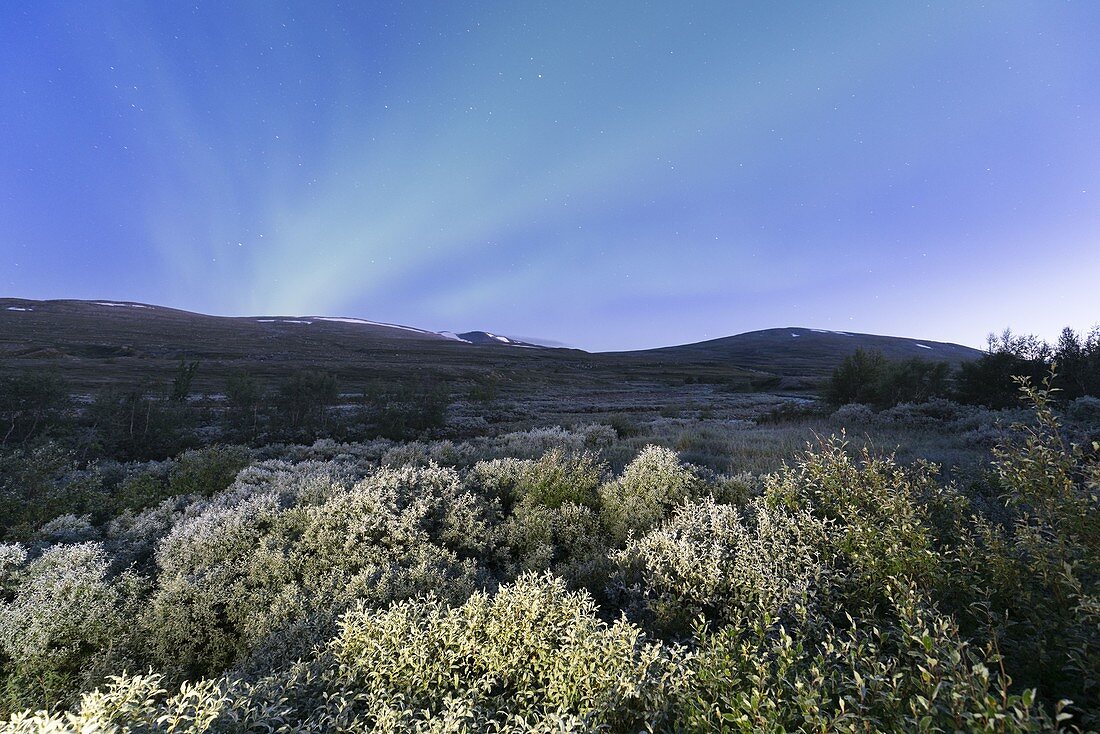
x: 852, y: 594
x: 240, y: 571
x: 532, y: 657
x: 650, y: 487
x: 64, y: 620
x: 725, y: 564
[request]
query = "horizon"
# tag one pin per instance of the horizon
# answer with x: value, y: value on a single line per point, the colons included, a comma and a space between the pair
x: 613, y: 178
x: 518, y: 337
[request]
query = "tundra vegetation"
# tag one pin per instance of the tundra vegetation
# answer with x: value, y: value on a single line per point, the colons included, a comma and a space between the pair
x: 165, y: 571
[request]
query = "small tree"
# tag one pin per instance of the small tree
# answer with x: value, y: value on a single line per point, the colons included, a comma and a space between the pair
x: 911, y: 381
x: 406, y: 410
x: 243, y: 393
x: 988, y: 380
x: 181, y: 383
x: 856, y: 379
x: 30, y: 404
x: 304, y: 397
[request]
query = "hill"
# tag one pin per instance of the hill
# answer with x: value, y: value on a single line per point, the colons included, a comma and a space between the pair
x: 102, y: 342
x: 797, y: 351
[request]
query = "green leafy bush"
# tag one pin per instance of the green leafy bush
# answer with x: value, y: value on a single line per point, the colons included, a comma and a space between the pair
x: 650, y: 487
x: 908, y: 672
x: 713, y: 561
x: 62, y: 622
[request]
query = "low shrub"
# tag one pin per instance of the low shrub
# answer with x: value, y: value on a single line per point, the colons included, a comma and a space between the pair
x: 649, y: 488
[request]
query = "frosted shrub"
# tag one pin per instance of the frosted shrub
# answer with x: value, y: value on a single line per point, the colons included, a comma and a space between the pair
x: 854, y: 414
x: 135, y: 703
x: 1085, y: 411
x: 530, y: 653
x: 910, y: 673
x: 649, y: 488
x: 881, y: 527
x: 208, y: 470
x: 710, y: 559
x: 12, y: 558
x: 597, y: 436
x: 567, y: 540
x: 132, y: 536
x: 423, y: 453
x: 326, y: 449
x: 532, y: 658
x: 535, y: 442
x: 736, y: 489
x: 553, y: 479
x: 235, y: 574
x: 66, y: 529
x: 63, y: 616
x: 558, y: 477
x: 498, y: 478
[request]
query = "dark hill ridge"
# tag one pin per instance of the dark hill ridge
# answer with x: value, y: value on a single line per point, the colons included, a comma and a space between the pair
x: 797, y: 350
x: 96, y: 342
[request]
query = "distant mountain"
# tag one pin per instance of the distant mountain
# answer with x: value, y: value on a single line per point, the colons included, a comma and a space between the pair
x: 94, y: 342
x: 801, y: 351
x: 154, y: 323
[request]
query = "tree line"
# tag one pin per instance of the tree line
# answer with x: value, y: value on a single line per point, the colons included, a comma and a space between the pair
x: 142, y: 421
x: 868, y: 377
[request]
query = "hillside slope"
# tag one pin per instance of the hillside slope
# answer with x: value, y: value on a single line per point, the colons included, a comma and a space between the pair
x: 97, y: 342
x: 801, y: 352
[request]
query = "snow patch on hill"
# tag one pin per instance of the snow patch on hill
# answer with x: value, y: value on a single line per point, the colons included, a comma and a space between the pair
x: 454, y: 337
x: 365, y: 322
x: 116, y: 304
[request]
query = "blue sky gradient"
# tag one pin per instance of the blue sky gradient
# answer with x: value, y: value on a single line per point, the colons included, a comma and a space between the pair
x: 608, y: 175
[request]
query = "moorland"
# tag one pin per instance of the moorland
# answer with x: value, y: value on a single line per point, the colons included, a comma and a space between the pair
x: 304, y: 524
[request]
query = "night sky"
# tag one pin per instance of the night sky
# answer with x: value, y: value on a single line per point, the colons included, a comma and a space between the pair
x: 606, y: 175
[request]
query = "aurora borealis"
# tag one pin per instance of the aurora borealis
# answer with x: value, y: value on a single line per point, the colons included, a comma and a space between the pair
x: 608, y: 175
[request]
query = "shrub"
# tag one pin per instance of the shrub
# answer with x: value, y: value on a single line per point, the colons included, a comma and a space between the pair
x: 1043, y: 578
x: 868, y: 377
x: 557, y: 478
x: 854, y: 414
x: 304, y: 397
x: 567, y: 540
x: 880, y: 525
x: 714, y: 561
x: 248, y: 566
x: 844, y: 592
x: 536, y: 442
x: 404, y: 411
x: 31, y: 404
x: 649, y: 488
x: 1085, y: 411
x: 62, y: 620
x: 528, y: 655
x: 856, y: 379
x: 208, y: 470
x: 244, y: 393
x: 909, y: 672
x: 133, y: 425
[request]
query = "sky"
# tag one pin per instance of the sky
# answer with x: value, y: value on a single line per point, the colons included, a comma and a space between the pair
x: 609, y: 175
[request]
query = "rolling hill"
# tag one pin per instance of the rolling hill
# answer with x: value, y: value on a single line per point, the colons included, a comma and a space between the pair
x: 98, y: 342
x: 802, y: 352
